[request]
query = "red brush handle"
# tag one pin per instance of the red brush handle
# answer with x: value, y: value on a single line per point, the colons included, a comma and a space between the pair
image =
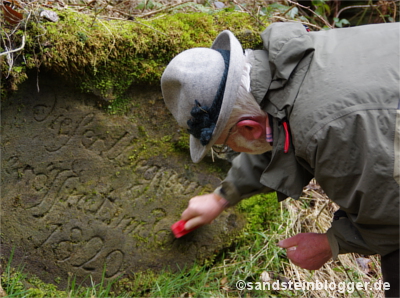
x: 178, y: 229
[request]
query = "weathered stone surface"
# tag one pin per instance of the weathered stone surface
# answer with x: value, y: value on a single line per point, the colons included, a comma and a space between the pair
x: 83, y: 190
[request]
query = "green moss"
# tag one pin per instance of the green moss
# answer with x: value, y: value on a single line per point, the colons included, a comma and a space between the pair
x: 41, y: 289
x: 182, y: 143
x: 260, y: 210
x: 106, y: 57
x: 139, y: 285
x: 14, y: 281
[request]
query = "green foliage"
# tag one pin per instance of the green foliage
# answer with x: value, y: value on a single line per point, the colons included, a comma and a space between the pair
x: 341, y: 22
x: 321, y: 7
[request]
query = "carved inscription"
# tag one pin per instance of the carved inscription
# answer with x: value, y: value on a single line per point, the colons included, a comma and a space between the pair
x: 103, y: 205
x: 76, y: 200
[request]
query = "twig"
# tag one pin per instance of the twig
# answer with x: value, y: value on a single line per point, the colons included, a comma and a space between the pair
x: 149, y: 27
x: 379, y: 12
x: 15, y: 50
x: 6, y: 40
x: 305, y: 7
x: 163, y: 9
x: 319, y: 213
x: 353, y: 6
x: 133, y: 20
x: 96, y: 13
x: 249, y: 12
x: 240, y: 6
x: 145, y: 5
x: 112, y: 35
x: 290, y: 8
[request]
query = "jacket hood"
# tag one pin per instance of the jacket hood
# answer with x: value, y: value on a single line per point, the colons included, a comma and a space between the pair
x: 287, y: 44
x: 260, y: 74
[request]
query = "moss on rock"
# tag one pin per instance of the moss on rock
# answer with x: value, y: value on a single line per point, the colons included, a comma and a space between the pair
x: 106, y: 56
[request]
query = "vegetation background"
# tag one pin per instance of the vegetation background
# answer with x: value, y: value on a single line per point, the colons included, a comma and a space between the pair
x: 254, y: 256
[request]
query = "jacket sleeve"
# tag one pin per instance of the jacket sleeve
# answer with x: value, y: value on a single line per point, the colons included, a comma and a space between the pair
x: 343, y: 237
x: 243, y: 179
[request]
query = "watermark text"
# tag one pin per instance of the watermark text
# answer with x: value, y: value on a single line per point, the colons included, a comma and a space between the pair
x: 341, y: 287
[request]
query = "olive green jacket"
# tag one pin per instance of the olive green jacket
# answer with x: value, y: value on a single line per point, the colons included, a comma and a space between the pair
x: 338, y: 91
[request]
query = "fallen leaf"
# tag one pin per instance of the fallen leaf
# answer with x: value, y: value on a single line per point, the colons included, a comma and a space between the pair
x: 364, y: 264
x: 223, y: 281
x: 49, y: 15
x: 2, y: 292
x: 225, y: 288
x: 265, y: 277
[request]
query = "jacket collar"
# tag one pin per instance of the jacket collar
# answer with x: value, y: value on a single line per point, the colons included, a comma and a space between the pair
x: 284, y: 173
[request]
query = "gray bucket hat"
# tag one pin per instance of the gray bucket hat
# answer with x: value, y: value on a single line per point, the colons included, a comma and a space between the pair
x: 200, y: 86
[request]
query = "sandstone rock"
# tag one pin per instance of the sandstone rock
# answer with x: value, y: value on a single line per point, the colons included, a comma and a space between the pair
x: 83, y: 190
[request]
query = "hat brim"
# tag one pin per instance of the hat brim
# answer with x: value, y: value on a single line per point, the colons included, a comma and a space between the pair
x: 224, y: 41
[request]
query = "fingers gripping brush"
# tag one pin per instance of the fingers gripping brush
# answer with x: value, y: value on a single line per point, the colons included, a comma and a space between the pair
x: 178, y: 229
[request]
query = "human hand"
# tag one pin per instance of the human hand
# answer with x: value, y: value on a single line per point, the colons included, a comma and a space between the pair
x: 203, y: 210
x: 307, y: 250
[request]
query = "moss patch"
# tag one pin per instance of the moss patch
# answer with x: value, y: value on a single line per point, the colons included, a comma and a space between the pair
x: 106, y: 57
